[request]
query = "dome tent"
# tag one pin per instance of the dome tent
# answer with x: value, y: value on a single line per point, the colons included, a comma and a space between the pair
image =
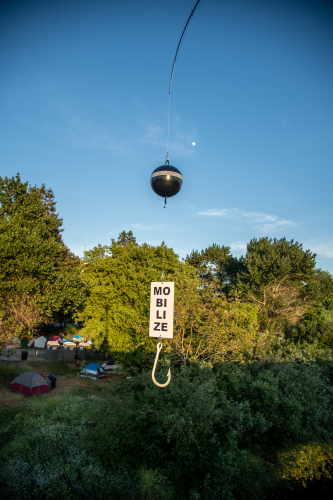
x: 30, y: 384
x: 93, y: 370
x: 39, y: 342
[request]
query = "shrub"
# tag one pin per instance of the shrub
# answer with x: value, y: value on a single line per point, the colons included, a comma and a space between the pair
x: 306, y: 462
x: 229, y: 431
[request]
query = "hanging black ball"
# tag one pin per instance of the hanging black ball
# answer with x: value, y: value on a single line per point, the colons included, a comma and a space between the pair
x: 166, y: 181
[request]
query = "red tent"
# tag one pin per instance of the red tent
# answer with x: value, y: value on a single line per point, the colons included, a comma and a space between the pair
x: 55, y: 338
x: 38, y: 342
x: 30, y: 384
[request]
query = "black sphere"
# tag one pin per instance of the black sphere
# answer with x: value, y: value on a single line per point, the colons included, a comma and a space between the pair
x: 166, y: 181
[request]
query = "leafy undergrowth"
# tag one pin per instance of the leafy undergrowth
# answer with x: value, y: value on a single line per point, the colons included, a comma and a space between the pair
x: 8, y: 372
x: 251, y: 432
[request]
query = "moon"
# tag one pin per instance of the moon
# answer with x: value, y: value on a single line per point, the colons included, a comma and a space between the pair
x: 193, y: 143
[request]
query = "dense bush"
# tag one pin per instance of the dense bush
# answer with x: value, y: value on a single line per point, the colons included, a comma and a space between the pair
x: 232, y: 431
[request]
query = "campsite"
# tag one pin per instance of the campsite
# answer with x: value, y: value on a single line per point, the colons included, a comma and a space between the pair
x: 166, y: 250
x: 67, y: 380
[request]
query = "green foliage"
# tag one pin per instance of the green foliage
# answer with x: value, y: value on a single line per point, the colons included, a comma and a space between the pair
x: 224, y: 425
x: 215, y: 263
x: 116, y: 316
x: 221, y: 430
x: 277, y: 276
x: 35, y: 265
x: 317, y: 324
x: 207, y: 326
x: 120, y: 276
x: 125, y: 239
x: 269, y: 346
x: 137, y: 360
x: 306, y: 462
x: 234, y: 431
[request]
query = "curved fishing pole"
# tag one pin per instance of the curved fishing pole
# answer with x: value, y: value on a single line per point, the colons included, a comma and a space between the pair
x: 159, y: 347
x: 172, y: 72
x: 180, y: 41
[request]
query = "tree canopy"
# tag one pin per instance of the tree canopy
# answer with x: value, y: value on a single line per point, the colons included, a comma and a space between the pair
x: 116, y: 316
x: 277, y: 276
x: 119, y: 277
x: 35, y: 264
x: 222, y: 302
x: 215, y: 262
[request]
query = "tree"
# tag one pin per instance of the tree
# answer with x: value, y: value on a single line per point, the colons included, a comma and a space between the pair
x: 118, y: 306
x: 215, y: 263
x: 317, y: 324
x: 34, y: 262
x: 126, y: 238
x: 207, y: 326
x: 18, y: 316
x: 278, y: 277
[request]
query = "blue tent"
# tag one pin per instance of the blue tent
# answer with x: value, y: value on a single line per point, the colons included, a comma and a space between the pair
x: 93, y: 370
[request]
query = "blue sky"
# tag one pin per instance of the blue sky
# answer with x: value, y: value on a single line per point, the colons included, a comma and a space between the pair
x: 84, y: 102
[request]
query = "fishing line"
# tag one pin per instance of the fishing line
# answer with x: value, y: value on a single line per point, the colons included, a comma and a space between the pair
x: 162, y: 277
x: 170, y: 86
x: 172, y: 73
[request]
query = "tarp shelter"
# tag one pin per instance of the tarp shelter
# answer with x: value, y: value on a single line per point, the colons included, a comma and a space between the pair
x: 30, y: 384
x: 55, y: 338
x: 93, y: 370
x: 78, y: 338
x: 39, y: 342
x: 109, y: 366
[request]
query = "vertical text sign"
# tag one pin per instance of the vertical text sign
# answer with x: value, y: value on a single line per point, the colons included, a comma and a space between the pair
x: 161, y: 309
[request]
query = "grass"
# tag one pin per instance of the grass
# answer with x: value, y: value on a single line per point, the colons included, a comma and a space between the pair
x: 67, y: 372
x: 54, y: 367
x: 8, y: 372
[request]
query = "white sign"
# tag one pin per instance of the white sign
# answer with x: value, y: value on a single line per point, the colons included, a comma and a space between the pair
x: 162, y: 297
